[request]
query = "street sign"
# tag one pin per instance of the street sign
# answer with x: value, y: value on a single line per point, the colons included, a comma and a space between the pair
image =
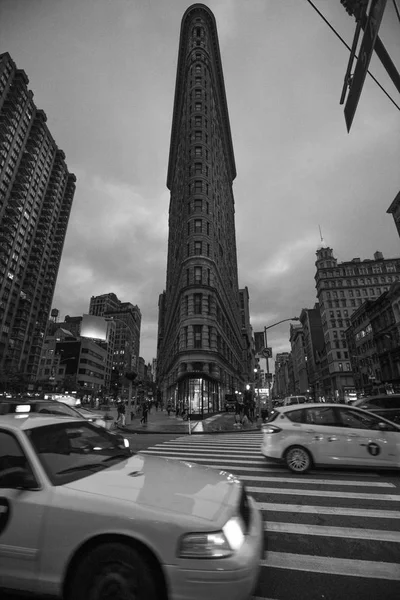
x: 367, y: 47
x: 266, y: 352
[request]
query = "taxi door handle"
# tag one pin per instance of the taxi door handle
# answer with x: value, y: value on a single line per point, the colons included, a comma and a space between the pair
x: 332, y: 439
x: 352, y: 435
x: 309, y: 430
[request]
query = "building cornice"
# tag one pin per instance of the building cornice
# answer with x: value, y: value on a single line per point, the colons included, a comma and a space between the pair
x: 207, y: 15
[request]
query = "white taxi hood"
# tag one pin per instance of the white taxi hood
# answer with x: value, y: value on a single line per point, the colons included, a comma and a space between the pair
x: 173, y: 486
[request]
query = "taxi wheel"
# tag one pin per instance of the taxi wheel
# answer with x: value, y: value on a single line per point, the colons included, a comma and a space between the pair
x: 298, y: 459
x: 113, y: 571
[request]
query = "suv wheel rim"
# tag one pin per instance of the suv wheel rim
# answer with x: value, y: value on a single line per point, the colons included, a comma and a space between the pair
x: 298, y: 460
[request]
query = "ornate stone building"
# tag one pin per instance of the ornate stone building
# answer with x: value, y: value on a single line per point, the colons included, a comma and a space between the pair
x: 200, y: 353
x: 341, y: 289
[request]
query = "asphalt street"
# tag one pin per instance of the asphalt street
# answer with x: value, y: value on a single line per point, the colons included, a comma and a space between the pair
x: 329, y: 534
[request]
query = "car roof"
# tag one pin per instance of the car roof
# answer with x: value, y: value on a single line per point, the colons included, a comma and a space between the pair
x: 23, y: 421
x: 28, y: 401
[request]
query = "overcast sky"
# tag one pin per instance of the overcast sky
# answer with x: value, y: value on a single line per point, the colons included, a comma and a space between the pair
x: 104, y: 72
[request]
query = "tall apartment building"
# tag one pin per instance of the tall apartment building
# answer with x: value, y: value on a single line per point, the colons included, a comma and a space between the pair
x: 301, y: 384
x: 314, y: 344
x: 281, y: 382
x: 200, y: 344
x: 127, y: 318
x: 249, y: 361
x: 341, y: 289
x: 36, y: 194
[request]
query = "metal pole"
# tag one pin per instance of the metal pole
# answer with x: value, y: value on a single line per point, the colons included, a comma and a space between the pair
x: 269, y: 399
x: 128, y: 416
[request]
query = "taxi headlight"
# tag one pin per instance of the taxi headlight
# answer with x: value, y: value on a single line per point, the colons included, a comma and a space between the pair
x: 233, y: 531
x: 205, y: 545
x: 218, y: 544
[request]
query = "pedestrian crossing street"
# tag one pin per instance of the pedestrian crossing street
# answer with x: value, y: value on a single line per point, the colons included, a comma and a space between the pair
x: 328, y: 534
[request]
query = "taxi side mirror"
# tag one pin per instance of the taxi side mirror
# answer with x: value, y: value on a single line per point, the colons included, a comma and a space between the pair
x: 18, y: 478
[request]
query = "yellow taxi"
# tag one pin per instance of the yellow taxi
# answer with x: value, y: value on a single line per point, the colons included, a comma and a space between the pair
x: 83, y: 518
x: 310, y: 435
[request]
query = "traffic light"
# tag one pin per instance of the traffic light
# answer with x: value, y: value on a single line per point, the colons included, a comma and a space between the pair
x: 354, y: 7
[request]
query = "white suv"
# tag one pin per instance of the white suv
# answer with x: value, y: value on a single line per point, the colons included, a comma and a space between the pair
x: 294, y: 400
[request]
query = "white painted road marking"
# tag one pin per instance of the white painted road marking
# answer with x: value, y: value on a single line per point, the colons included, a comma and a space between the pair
x: 333, y: 566
x: 302, y: 480
x: 329, y: 510
x: 342, y: 532
x: 323, y: 493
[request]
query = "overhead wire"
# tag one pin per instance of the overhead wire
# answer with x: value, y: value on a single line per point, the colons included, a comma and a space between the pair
x: 348, y: 47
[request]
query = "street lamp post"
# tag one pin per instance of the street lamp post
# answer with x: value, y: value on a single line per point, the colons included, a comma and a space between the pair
x: 267, y: 359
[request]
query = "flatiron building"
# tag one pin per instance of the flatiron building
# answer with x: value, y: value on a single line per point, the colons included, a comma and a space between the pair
x: 201, y: 349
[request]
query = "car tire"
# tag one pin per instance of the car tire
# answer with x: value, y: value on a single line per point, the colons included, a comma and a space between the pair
x: 112, y: 571
x: 298, y: 459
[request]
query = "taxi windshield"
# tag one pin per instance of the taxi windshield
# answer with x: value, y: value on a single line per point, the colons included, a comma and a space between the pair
x: 70, y: 451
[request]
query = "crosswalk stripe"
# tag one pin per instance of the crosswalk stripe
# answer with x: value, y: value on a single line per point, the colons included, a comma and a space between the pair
x: 224, y: 448
x: 280, y: 469
x: 203, y: 459
x: 329, y: 510
x: 323, y: 493
x: 214, y: 452
x: 342, y: 532
x: 310, y: 481
x: 333, y: 566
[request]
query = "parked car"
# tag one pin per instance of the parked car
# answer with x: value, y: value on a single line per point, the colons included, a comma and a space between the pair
x: 330, y: 434
x: 130, y: 525
x: 385, y: 405
x: 289, y: 400
x: 69, y: 399
x: 49, y: 407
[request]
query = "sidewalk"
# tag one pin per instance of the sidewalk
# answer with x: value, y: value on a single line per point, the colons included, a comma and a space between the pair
x: 160, y: 422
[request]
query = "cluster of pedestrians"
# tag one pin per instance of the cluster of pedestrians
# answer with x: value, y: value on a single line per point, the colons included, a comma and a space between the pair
x: 245, y: 412
x: 180, y: 411
x: 145, y: 409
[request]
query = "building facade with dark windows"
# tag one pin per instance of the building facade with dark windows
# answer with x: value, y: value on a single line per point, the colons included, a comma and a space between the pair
x: 126, y: 337
x: 36, y: 194
x: 314, y: 344
x: 200, y: 351
x: 341, y: 289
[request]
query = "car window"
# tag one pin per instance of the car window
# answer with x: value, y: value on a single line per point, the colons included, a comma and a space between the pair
x: 72, y: 450
x: 56, y: 408
x: 357, y: 420
x: 296, y: 416
x: 12, y: 457
x: 371, y: 404
x: 391, y: 402
x: 324, y: 415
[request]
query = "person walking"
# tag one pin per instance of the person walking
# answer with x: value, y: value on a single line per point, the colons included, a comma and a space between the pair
x: 121, y: 414
x: 169, y: 408
x: 143, y: 420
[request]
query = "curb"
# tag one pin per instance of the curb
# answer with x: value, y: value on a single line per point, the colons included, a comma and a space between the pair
x: 125, y: 429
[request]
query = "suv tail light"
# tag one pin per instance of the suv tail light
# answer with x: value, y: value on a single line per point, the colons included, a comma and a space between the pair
x: 271, y: 429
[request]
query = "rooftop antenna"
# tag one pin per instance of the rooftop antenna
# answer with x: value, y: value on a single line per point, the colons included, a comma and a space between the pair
x: 320, y: 233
